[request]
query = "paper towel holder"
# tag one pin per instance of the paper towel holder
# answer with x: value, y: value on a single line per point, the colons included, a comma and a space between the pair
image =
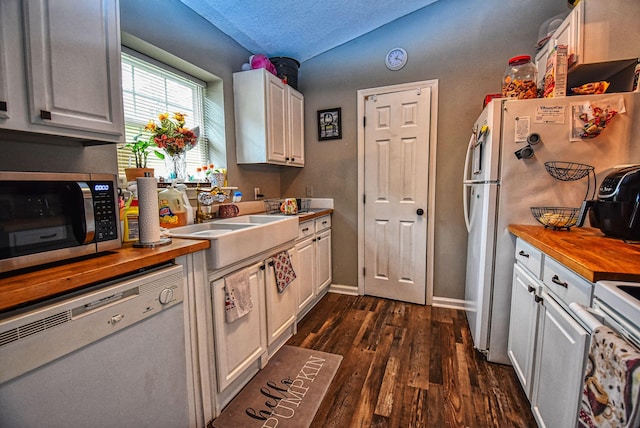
x: 161, y: 242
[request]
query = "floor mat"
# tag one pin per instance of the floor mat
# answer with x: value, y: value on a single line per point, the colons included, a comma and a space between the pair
x: 286, y: 393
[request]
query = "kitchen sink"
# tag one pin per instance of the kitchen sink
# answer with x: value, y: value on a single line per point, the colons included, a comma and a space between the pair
x: 237, y: 238
x: 254, y: 218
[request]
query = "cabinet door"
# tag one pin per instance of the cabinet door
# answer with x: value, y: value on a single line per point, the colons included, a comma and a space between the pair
x: 296, y: 128
x: 281, y: 307
x: 522, y: 327
x: 12, y: 85
x: 276, y: 119
x: 323, y: 260
x: 570, y: 33
x: 242, y: 342
x: 305, y: 270
x: 562, y: 346
x: 73, y: 65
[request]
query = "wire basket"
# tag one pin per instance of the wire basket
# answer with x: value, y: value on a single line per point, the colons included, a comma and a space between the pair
x: 272, y: 206
x: 568, y: 171
x: 556, y: 218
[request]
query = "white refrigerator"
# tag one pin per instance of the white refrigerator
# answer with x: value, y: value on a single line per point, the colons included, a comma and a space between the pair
x: 500, y: 187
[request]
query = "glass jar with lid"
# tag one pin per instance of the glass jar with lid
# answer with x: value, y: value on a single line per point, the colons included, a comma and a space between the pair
x: 520, y: 78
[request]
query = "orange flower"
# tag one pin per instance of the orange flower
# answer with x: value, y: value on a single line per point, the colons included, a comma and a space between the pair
x: 163, y: 116
x: 151, y: 126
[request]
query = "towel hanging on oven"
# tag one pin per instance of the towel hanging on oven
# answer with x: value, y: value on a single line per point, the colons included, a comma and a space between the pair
x: 283, y: 270
x: 611, y: 390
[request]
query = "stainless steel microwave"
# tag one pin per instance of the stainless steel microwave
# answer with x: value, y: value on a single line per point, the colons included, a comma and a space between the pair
x: 48, y: 217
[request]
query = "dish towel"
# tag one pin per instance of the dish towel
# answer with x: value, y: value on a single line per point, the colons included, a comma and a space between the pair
x: 283, y: 270
x: 611, y: 392
x: 237, y: 295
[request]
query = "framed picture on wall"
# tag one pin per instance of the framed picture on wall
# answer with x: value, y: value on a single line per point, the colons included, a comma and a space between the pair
x: 329, y: 124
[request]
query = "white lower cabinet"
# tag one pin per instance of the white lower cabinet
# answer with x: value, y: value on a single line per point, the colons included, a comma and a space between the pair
x: 547, y: 347
x: 562, y: 344
x: 241, y: 343
x: 525, y: 311
x: 305, y: 267
x: 281, y: 308
x: 323, y: 260
x: 313, y: 262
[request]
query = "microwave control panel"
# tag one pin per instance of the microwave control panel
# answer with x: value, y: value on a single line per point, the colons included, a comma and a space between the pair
x: 105, y: 210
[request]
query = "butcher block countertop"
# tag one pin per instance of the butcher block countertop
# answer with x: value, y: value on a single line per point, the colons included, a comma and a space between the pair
x: 586, y: 251
x: 313, y: 214
x: 35, y: 285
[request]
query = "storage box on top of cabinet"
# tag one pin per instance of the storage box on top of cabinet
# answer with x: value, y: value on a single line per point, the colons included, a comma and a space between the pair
x: 60, y: 75
x: 269, y: 120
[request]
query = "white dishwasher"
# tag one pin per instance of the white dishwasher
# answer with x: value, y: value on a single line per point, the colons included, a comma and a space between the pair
x: 109, y: 356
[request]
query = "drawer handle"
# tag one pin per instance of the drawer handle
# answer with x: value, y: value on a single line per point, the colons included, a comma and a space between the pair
x: 531, y: 289
x: 324, y: 222
x: 3, y: 106
x: 45, y: 115
x: 556, y: 280
x: 538, y: 299
x: 306, y: 229
x: 523, y: 254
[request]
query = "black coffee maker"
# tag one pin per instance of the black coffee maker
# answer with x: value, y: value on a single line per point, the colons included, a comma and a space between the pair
x: 616, y: 212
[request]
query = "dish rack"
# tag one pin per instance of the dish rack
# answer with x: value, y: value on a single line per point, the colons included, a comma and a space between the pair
x: 272, y: 206
x: 558, y: 218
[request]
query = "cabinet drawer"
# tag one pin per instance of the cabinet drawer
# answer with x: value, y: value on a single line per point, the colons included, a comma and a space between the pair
x: 323, y: 223
x: 529, y: 257
x: 566, y: 284
x: 305, y: 229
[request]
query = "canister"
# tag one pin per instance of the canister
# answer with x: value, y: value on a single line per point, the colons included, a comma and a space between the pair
x: 520, y: 77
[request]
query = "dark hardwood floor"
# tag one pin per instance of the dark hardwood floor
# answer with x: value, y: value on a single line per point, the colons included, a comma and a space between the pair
x: 407, y: 365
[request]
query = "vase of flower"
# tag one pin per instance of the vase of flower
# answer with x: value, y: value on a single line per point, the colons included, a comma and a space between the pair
x: 176, y: 164
x: 171, y: 136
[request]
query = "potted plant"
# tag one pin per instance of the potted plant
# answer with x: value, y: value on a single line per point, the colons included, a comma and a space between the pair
x: 140, y: 150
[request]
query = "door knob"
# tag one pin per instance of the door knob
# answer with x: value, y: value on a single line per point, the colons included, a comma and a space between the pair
x: 419, y: 211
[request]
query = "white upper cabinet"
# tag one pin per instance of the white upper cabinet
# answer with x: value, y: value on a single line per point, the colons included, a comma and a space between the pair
x: 71, y: 58
x: 269, y: 120
x: 601, y: 38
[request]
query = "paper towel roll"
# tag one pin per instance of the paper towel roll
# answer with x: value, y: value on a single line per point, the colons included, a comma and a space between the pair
x: 148, y: 220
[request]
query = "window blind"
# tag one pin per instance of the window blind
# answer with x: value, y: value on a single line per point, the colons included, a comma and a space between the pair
x: 148, y: 90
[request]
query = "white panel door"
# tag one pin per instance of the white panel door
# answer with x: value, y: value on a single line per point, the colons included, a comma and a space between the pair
x: 396, y: 168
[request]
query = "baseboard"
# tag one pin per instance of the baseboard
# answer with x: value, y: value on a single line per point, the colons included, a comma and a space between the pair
x: 446, y: 302
x: 343, y: 289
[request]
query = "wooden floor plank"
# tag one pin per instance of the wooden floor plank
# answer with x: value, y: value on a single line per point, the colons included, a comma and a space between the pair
x: 408, y: 365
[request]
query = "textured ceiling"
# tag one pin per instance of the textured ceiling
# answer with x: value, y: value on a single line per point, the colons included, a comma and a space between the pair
x: 300, y: 29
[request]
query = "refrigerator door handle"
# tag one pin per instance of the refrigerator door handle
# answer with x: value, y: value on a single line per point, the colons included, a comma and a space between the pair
x: 465, y: 198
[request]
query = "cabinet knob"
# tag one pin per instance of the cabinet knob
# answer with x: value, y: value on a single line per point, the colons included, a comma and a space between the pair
x: 523, y: 254
x: 420, y: 211
x: 531, y: 289
x: 293, y: 159
x: 538, y: 299
x: 45, y: 115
